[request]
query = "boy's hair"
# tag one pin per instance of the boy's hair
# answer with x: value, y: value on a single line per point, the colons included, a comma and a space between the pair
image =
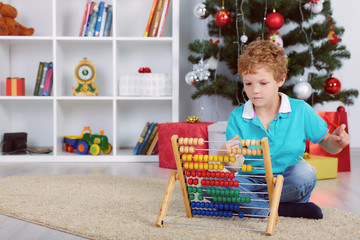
x: 265, y: 54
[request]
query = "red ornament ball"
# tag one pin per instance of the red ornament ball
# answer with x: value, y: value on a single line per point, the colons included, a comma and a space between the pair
x: 222, y: 18
x: 274, y: 21
x: 334, y: 40
x: 340, y: 109
x: 332, y: 86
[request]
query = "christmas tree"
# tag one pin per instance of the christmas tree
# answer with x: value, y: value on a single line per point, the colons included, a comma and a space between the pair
x: 306, y: 30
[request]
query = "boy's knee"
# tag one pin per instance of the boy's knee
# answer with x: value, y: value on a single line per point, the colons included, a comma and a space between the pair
x: 302, y: 171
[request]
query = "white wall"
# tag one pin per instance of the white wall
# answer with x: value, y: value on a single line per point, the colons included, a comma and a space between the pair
x: 216, y: 108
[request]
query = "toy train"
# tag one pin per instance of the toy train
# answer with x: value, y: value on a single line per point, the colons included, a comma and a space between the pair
x: 88, y: 142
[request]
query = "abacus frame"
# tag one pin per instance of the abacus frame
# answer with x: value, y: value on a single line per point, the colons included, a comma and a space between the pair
x: 274, y: 186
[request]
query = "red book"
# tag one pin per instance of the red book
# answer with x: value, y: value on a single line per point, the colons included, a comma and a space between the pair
x: 15, y: 87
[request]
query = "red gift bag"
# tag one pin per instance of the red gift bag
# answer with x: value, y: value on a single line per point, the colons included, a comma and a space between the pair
x: 333, y: 120
x: 182, y: 129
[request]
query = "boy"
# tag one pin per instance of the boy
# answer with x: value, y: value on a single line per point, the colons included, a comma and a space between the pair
x: 287, y: 123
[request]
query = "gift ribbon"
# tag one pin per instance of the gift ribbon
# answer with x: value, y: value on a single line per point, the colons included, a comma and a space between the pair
x: 144, y: 70
x: 332, y: 123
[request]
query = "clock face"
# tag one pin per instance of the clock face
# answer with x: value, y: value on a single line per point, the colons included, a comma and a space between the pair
x: 85, y: 72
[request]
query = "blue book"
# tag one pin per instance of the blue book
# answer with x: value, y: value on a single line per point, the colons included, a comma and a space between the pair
x: 89, y: 19
x: 147, y: 136
x: 108, y: 22
x: 141, y: 138
x: 43, y: 78
x: 99, y: 19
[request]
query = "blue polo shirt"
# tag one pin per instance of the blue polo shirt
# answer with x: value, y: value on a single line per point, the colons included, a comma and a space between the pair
x: 295, y: 123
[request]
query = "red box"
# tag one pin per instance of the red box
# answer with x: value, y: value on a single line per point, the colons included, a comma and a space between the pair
x: 182, y: 129
x: 15, y: 87
x: 333, y: 120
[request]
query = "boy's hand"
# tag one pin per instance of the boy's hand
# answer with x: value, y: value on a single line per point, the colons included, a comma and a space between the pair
x: 232, y: 143
x: 339, y: 137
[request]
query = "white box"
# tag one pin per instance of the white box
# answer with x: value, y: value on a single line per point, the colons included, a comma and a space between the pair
x: 217, y: 138
x: 145, y: 84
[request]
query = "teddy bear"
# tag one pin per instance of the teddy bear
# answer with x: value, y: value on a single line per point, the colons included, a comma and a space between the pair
x: 8, y: 24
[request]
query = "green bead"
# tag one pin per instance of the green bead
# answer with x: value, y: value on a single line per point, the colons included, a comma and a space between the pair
x: 213, y: 191
x: 233, y: 199
x: 199, y: 190
x: 217, y: 191
x: 222, y: 192
x: 190, y: 189
x: 215, y: 199
x: 248, y: 199
x: 243, y: 199
x: 191, y: 196
x: 231, y: 192
x: 223, y: 199
x: 238, y: 200
x: 200, y: 197
x: 237, y: 192
x: 208, y: 191
x: 228, y: 199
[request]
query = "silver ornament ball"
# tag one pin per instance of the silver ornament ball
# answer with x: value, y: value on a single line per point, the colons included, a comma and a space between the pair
x: 243, y: 38
x: 190, y: 78
x: 302, y: 90
x: 200, y: 11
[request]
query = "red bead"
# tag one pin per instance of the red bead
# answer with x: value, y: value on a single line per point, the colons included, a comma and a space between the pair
x: 193, y: 173
x: 236, y: 183
x: 226, y: 183
x: 199, y: 174
x: 222, y: 174
x: 213, y: 174
x: 190, y: 181
x: 208, y: 174
x: 227, y: 175
x: 232, y: 175
x: 188, y: 173
x: 217, y: 182
x: 203, y: 182
x: 207, y: 182
x: 221, y: 183
x: 212, y: 182
x: 217, y: 174
x: 231, y: 183
x: 196, y: 181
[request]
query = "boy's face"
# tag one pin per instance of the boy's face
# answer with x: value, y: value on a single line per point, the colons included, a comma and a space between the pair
x: 261, y: 87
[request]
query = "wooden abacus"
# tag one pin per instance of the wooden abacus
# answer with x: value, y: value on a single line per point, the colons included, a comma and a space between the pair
x: 211, y: 167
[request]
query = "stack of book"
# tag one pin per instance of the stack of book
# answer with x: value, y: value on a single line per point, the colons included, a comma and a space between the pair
x: 157, y: 17
x: 147, y: 143
x: 44, y: 79
x: 97, y: 19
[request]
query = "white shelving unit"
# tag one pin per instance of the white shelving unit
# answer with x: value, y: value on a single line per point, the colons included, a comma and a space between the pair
x: 48, y: 119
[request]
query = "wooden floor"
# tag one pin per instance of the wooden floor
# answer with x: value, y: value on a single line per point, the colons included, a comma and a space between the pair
x: 342, y: 193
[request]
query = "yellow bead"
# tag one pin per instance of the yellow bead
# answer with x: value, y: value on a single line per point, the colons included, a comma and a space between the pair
x: 243, y: 167
x: 206, y: 166
x: 189, y: 157
x: 201, y: 166
x: 201, y: 157
x: 259, y: 151
x: 247, y: 142
x: 221, y: 167
x: 249, y: 151
x: 200, y: 141
x: 229, y: 151
x: 253, y: 142
x: 186, y: 165
x: 206, y: 158
x: 242, y: 142
x: 190, y: 142
x: 249, y: 168
x: 211, y: 158
x: 196, y: 157
x: 196, y: 165
x: 186, y: 149
x: 253, y: 151
x: 244, y: 151
x: 211, y: 166
x: 216, y: 158
x: 181, y: 141
x: 183, y: 157
x: 195, y: 142
x: 221, y: 158
x: 186, y: 141
x: 226, y: 158
x: 216, y: 166
x: 191, y: 165
x: 232, y: 159
x: 181, y: 149
x: 258, y: 143
x: 191, y: 149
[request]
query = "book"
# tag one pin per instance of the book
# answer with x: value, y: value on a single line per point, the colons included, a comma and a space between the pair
x: 43, y: 78
x: 148, y: 141
x: 93, y: 20
x: 89, y: 19
x: 156, y: 19
x: 99, y: 18
x: 146, y: 138
x: 103, y: 21
x: 153, y: 143
x: 156, y: 149
x: 141, y: 138
x: 84, y: 20
x: 48, y: 81
x: 38, y: 78
x: 15, y: 86
x: 150, y: 18
x: 163, y: 18
x: 108, y: 22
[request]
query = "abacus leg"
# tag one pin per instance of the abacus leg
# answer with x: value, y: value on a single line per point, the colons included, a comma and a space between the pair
x: 274, y: 207
x: 166, y: 200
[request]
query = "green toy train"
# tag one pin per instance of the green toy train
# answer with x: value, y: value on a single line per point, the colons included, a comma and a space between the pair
x: 88, y: 142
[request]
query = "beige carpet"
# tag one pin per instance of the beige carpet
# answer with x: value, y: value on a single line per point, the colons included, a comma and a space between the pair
x: 118, y: 207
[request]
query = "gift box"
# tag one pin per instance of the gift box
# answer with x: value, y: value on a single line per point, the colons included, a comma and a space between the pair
x: 145, y: 84
x: 217, y: 136
x: 15, y: 87
x: 333, y: 120
x: 325, y: 167
x: 182, y: 129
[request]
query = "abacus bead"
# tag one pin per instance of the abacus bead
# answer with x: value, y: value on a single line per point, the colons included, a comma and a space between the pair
x: 221, y: 158
x: 208, y: 174
x: 201, y: 157
x: 200, y: 141
x: 239, y: 151
x: 181, y: 149
x: 195, y: 141
x: 196, y: 157
x: 191, y: 149
x: 231, y: 183
x: 247, y: 142
x: 243, y: 168
x: 258, y: 143
x: 244, y: 151
x: 221, y: 167
x: 200, y: 197
x: 211, y: 158
x: 181, y: 141
x: 213, y: 174
x: 189, y: 189
x: 190, y: 181
x: 236, y: 184
x: 234, y: 150
x: 216, y: 158
x: 186, y: 140
x: 249, y: 168
x: 183, y: 157
x: 222, y: 175
x: 229, y: 151
x: 227, y: 174
x: 248, y: 199
x: 201, y: 166
x: 191, y: 165
x: 207, y: 205
x: 226, y: 158
x: 249, y: 150
x: 191, y: 196
x: 186, y: 165
x: 241, y: 215
x: 196, y: 165
x: 206, y: 158
x: 193, y: 212
x: 186, y: 149
x: 253, y: 151
x: 196, y: 181
x: 253, y: 142
x: 242, y: 142
x: 217, y: 175
x: 200, y: 190
x: 211, y: 166
x: 216, y: 166
x: 232, y: 159
x: 193, y: 173
x: 189, y: 157
x: 190, y: 141
x: 198, y: 212
x: 193, y: 204
x: 259, y: 151
x: 203, y: 182
x: 232, y: 175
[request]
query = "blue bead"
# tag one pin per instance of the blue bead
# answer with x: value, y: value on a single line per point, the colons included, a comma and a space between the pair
x: 211, y: 205
x: 216, y: 213
x: 207, y: 213
x: 207, y: 205
x: 221, y: 213
x: 231, y: 206
x: 212, y: 212
x: 230, y: 214
x: 202, y: 204
x: 198, y: 204
x: 241, y: 214
x: 198, y: 212
x: 216, y: 206
x: 225, y: 214
x: 221, y: 206
x: 193, y: 212
x: 203, y: 212
x: 193, y: 204
x: 226, y: 206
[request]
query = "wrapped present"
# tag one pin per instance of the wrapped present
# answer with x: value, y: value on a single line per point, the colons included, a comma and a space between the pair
x: 182, y: 129
x: 333, y: 120
x: 325, y: 167
x: 15, y: 87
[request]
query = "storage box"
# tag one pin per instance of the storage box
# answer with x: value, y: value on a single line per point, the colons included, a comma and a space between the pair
x: 145, y: 84
x: 217, y: 136
x: 182, y: 129
x: 325, y: 167
x: 15, y: 87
